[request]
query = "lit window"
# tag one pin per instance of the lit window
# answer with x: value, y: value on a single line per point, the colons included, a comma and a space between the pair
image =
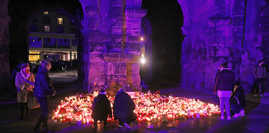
x: 45, y: 12
x: 60, y: 20
x: 47, y: 28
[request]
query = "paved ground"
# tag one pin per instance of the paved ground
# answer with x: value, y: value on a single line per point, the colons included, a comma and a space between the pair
x: 256, y: 120
x: 64, y: 77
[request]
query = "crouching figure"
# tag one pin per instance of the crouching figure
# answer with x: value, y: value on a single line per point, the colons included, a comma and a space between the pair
x: 101, y: 108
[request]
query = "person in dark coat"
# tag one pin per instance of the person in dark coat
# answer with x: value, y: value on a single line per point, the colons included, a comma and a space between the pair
x: 42, y: 90
x: 101, y: 108
x: 238, y: 101
x: 260, y: 78
x: 224, y: 85
x: 123, y: 108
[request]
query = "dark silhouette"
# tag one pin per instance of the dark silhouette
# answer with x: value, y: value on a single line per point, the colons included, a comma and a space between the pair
x: 123, y: 108
x: 101, y: 108
x: 42, y: 90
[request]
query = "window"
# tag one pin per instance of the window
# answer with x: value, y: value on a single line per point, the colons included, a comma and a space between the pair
x: 60, y: 20
x: 47, y: 28
x: 46, y: 12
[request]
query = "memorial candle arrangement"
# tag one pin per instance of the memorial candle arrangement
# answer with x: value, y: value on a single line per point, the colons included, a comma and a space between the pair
x: 149, y: 107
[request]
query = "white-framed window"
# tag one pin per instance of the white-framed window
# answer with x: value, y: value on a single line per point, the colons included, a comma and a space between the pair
x: 46, y: 28
x: 60, y: 20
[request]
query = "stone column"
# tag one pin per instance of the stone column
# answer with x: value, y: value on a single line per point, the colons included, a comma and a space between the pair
x: 95, y: 31
x: 102, y: 30
x: 134, y: 15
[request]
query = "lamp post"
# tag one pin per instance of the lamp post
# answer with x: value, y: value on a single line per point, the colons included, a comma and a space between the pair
x: 142, y: 59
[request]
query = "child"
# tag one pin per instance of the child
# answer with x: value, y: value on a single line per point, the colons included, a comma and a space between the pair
x: 101, y: 108
x: 237, y: 101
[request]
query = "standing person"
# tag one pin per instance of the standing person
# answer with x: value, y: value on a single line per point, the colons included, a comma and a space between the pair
x: 123, y: 108
x: 30, y: 88
x: 238, y: 101
x: 260, y: 76
x: 23, y: 83
x: 224, y: 85
x: 41, y: 91
x: 220, y: 68
x: 101, y: 108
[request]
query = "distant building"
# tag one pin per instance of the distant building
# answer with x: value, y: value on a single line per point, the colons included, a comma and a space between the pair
x: 53, y: 34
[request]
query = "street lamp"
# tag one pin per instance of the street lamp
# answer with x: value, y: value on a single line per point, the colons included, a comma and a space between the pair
x: 142, y: 38
x: 142, y: 59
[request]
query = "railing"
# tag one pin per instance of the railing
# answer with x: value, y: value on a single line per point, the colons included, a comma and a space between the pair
x: 52, y: 40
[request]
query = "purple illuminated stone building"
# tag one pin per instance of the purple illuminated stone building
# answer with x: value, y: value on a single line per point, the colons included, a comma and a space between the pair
x: 218, y: 31
x: 113, y: 50
x: 215, y: 31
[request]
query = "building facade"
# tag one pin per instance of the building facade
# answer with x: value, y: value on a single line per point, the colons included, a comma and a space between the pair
x: 53, y: 34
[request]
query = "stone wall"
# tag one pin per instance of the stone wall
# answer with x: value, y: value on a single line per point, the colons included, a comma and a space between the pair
x: 214, y: 32
x: 4, y: 49
x: 263, y: 38
x: 107, y: 61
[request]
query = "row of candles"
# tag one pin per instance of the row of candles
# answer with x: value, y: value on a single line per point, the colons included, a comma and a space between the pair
x: 149, y: 107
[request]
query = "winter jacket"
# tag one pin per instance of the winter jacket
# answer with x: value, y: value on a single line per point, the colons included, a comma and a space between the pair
x: 238, y: 97
x: 260, y: 72
x: 101, y: 107
x: 23, y: 83
x: 42, y: 83
x: 123, y: 106
x: 224, y: 80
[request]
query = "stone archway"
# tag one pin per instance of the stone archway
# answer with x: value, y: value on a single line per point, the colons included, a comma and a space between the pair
x: 214, y: 32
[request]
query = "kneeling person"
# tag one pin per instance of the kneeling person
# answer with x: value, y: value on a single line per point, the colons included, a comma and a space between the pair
x: 123, y: 108
x: 101, y: 108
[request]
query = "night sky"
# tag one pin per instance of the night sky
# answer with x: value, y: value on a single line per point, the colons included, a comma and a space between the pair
x: 165, y: 16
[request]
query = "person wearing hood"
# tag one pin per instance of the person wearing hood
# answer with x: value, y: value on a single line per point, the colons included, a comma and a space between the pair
x: 24, y: 83
x: 101, y: 108
x: 42, y: 90
x: 123, y: 108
